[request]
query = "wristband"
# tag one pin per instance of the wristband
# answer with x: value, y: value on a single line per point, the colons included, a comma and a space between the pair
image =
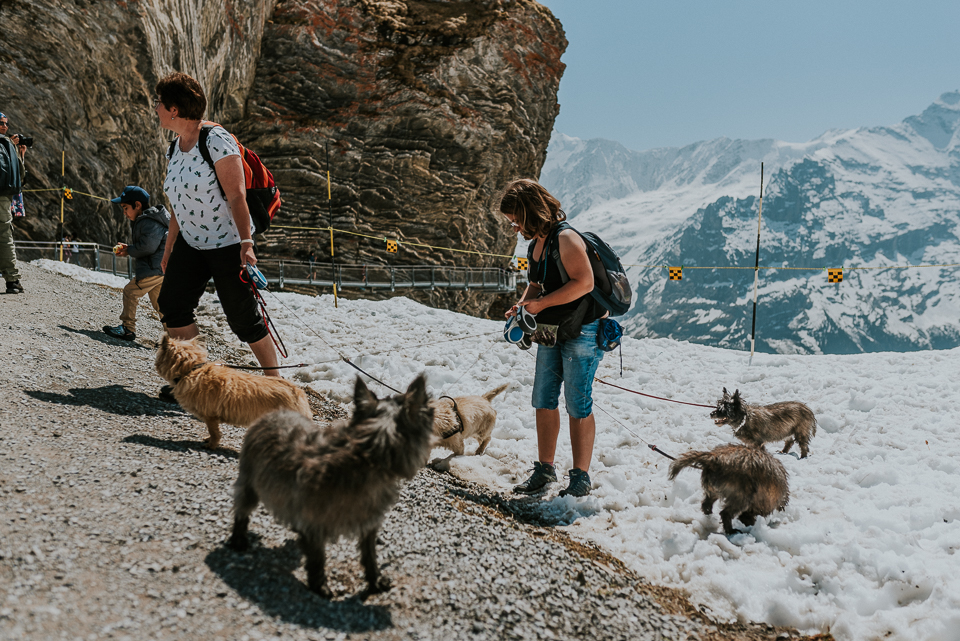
x: 246, y: 240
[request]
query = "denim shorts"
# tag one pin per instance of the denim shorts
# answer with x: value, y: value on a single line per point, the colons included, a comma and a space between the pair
x: 573, y: 363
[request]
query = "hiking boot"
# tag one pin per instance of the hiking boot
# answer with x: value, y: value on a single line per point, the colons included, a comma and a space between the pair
x: 14, y: 287
x: 120, y: 332
x: 543, y: 475
x: 579, y: 483
x: 166, y: 394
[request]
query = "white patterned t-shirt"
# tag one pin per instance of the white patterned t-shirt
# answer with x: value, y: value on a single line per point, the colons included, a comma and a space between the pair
x: 195, y: 197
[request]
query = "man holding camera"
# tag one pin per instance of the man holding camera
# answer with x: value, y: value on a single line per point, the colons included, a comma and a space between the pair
x: 150, y: 226
x: 12, y: 151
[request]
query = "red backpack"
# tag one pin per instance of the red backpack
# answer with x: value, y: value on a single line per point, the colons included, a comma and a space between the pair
x: 263, y: 197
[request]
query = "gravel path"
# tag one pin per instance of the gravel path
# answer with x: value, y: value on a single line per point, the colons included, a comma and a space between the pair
x: 113, y: 519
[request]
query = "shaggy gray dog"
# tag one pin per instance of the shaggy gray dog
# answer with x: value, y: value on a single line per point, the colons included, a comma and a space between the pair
x: 750, y: 481
x: 759, y: 424
x: 333, y: 482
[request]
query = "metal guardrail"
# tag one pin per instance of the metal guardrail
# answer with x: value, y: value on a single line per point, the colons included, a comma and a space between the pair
x: 283, y: 272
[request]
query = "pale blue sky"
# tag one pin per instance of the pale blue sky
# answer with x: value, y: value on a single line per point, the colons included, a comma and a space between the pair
x: 673, y: 72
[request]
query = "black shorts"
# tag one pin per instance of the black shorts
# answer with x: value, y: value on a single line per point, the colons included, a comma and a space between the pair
x: 185, y: 280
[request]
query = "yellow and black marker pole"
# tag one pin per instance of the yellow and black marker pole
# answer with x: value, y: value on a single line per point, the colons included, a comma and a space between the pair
x: 333, y: 266
x: 63, y: 192
x: 756, y: 271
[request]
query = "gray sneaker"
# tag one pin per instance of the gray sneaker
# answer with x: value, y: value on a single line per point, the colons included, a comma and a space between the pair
x: 579, y: 483
x: 543, y: 475
x: 120, y: 332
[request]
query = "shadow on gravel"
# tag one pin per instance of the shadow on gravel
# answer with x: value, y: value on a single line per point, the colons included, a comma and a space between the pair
x: 180, y: 446
x: 530, y: 509
x: 525, y: 509
x: 265, y: 576
x: 114, y: 399
x: 103, y: 338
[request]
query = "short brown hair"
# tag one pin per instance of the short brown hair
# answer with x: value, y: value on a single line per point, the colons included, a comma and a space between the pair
x: 183, y: 92
x: 535, y: 209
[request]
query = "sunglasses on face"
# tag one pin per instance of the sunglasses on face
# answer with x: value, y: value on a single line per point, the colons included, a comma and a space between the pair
x: 156, y: 103
x: 3, y: 123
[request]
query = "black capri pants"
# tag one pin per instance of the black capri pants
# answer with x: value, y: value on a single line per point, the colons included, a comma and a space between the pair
x: 188, y: 271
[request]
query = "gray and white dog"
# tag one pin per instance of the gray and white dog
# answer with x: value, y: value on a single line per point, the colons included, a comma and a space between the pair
x: 333, y: 482
x: 749, y: 480
x: 759, y: 424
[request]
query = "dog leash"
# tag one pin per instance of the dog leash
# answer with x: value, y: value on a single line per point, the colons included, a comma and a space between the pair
x: 268, y: 322
x: 617, y: 421
x: 177, y: 380
x: 265, y: 368
x: 659, y: 398
x: 456, y: 410
x: 344, y: 358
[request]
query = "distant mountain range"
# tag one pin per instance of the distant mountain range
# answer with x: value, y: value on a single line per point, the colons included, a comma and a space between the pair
x: 871, y: 197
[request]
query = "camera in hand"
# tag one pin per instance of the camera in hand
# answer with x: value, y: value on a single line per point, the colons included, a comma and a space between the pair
x: 26, y: 141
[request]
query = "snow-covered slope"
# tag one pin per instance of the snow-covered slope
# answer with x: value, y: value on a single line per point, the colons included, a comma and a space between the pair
x: 866, y: 197
x: 868, y: 547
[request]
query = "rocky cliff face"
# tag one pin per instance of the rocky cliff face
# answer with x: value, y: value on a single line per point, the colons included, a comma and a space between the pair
x: 79, y: 76
x: 420, y: 110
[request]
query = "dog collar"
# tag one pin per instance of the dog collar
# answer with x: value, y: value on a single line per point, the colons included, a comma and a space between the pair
x: 177, y: 380
x: 459, y: 428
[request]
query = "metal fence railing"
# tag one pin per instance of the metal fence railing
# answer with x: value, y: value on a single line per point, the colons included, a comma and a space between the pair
x: 283, y: 272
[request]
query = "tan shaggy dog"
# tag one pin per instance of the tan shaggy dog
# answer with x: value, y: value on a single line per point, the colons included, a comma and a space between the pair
x: 218, y: 394
x: 476, y: 413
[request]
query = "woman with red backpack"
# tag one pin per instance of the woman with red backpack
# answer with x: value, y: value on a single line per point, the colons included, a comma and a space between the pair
x: 211, y: 231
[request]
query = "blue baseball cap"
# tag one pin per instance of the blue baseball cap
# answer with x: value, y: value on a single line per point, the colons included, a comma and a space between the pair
x: 132, y: 194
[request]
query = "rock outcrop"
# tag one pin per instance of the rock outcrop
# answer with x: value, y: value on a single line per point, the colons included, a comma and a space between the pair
x: 419, y: 109
x: 79, y: 77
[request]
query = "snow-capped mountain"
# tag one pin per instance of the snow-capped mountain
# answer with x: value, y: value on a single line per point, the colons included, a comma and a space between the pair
x: 871, y: 197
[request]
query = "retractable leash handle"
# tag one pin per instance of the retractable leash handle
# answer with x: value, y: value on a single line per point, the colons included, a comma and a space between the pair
x: 519, y: 328
x: 250, y: 274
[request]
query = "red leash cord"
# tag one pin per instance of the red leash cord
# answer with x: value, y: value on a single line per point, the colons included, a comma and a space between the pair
x: 267, y: 321
x: 659, y: 398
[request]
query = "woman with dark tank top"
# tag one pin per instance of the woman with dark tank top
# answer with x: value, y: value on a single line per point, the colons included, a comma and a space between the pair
x: 567, y: 351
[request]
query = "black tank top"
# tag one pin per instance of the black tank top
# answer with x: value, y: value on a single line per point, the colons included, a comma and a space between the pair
x: 547, y: 274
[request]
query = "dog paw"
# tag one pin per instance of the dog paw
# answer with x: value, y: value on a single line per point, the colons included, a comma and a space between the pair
x: 322, y: 591
x: 238, y: 543
x: 382, y: 584
x: 211, y: 444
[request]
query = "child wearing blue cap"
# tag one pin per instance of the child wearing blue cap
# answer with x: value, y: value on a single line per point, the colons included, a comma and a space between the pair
x: 150, y: 226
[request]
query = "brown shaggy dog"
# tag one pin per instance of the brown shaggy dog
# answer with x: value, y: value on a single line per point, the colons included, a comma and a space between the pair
x: 759, y: 424
x: 338, y: 481
x: 749, y: 479
x: 215, y: 393
x: 476, y: 414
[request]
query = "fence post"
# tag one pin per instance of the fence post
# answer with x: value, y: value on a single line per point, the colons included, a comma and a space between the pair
x: 96, y: 258
x: 281, y: 275
x: 393, y: 279
x: 114, y: 264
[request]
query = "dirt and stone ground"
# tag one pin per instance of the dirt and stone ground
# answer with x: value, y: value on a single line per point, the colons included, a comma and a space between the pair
x: 113, y: 519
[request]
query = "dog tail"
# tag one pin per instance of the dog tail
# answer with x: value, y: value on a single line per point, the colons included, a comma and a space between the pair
x: 688, y: 459
x: 492, y: 393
